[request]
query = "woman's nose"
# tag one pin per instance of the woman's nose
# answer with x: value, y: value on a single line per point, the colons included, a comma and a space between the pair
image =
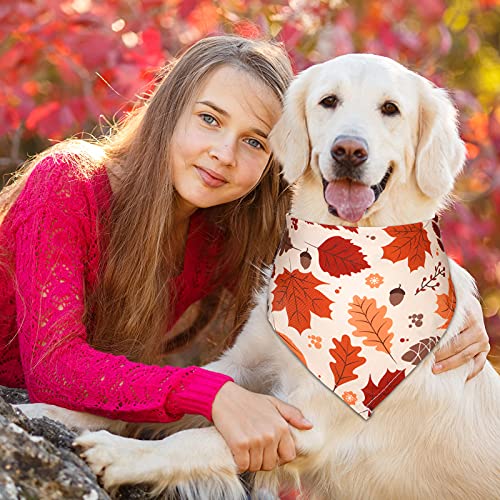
x: 225, y: 152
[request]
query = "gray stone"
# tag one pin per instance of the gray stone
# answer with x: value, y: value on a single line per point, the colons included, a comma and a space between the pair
x: 37, y: 460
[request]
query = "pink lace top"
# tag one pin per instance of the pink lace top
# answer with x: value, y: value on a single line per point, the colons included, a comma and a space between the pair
x: 53, y: 234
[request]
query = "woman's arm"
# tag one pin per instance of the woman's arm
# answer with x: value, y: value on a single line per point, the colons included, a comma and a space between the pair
x: 56, y: 238
x: 471, y: 343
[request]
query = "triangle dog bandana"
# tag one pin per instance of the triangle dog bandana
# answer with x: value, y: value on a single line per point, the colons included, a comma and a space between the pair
x: 361, y: 307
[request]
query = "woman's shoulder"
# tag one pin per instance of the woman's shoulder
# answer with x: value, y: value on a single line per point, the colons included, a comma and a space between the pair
x: 62, y: 179
x: 68, y: 165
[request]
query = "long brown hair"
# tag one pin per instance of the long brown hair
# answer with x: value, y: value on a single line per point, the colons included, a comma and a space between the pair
x: 130, y: 308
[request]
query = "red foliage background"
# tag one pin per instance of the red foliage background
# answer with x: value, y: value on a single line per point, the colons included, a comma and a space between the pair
x: 68, y: 66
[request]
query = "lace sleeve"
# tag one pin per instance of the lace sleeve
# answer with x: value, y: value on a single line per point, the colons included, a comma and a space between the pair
x: 52, y: 244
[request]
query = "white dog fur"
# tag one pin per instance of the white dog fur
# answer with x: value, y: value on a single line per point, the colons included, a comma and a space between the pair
x: 436, y: 436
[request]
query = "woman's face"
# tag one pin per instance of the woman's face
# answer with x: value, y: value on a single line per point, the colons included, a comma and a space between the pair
x: 219, y: 146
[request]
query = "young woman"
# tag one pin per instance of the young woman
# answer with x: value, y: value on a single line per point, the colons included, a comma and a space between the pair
x: 104, y: 245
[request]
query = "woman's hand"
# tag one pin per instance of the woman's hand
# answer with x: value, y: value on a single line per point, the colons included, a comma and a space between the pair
x: 471, y: 343
x: 255, y: 427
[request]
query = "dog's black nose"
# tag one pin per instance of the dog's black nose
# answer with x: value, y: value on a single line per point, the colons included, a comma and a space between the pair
x: 349, y: 150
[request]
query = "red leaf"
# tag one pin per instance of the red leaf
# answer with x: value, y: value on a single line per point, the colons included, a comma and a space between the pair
x: 186, y: 7
x: 375, y: 394
x: 338, y: 256
x: 247, y: 29
x: 410, y: 242
x: 296, y: 292
x: 346, y: 360
x: 42, y: 112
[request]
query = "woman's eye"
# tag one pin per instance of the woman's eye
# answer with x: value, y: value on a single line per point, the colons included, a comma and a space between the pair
x: 255, y: 143
x: 209, y: 119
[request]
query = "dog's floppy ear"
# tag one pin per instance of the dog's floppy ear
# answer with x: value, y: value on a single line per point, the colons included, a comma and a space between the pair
x: 440, y: 151
x: 289, y: 138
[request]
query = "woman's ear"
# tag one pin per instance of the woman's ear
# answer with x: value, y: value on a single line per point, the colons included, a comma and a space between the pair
x: 289, y: 138
x: 440, y: 154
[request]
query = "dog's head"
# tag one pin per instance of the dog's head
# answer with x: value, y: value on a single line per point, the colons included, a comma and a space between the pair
x: 378, y: 140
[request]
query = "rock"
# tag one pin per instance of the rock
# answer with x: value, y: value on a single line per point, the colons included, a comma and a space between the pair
x: 37, y: 460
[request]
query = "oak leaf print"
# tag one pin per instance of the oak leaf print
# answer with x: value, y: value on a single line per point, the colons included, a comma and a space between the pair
x: 446, y: 303
x: 419, y: 351
x: 346, y: 360
x: 296, y: 292
x: 293, y: 347
x: 370, y: 322
x: 338, y: 256
x: 375, y: 394
x: 410, y: 242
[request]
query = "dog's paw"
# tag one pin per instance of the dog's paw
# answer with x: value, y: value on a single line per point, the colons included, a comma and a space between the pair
x: 40, y: 410
x: 116, y: 460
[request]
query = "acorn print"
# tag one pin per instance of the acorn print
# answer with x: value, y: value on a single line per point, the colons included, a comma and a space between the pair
x: 396, y: 296
x: 305, y: 259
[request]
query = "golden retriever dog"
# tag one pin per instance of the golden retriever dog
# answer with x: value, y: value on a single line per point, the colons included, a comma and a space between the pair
x: 435, y: 436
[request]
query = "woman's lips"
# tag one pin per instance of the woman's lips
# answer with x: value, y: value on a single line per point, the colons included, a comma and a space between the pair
x: 210, y: 178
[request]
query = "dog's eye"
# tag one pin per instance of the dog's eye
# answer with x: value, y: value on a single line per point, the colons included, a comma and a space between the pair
x: 389, y: 108
x: 330, y: 101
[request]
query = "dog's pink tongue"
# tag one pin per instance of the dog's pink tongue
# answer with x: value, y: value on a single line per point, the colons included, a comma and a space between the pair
x: 350, y: 199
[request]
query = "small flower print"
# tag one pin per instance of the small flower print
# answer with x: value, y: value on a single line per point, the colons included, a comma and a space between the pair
x: 349, y: 397
x: 374, y: 280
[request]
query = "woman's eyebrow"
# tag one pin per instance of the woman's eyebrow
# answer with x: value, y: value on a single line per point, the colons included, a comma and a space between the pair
x: 213, y: 106
x: 226, y: 114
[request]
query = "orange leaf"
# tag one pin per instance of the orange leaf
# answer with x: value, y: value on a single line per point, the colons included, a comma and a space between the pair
x: 296, y: 292
x: 375, y: 394
x: 446, y: 303
x: 293, y: 347
x: 338, y: 256
x: 410, y: 242
x: 370, y: 322
x: 472, y: 150
x: 346, y: 360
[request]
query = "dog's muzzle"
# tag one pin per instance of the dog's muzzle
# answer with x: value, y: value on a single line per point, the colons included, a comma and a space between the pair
x: 349, y: 199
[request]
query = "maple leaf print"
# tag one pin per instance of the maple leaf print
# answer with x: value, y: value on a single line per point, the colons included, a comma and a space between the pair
x: 446, y: 303
x: 410, y: 242
x: 419, y: 351
x: 296, y: 292
x: 375, y: 394
x: 292, y: 347
x: 338, y: 256
x: 346, y: 360
x: 370, y: 322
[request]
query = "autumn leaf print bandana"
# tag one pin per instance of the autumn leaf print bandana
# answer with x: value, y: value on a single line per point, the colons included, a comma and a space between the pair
x: 361, y: 307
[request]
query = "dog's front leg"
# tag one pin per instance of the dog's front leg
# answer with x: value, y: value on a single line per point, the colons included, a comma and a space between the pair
x: 247, y: 361
x: 192, y: 464
x: 75, y: 420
